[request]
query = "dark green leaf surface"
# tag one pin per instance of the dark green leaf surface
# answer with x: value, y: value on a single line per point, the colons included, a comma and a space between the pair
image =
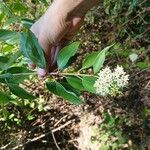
x: 88, y: 83
x: 31, y: 49
x: 66, y: 53
x: 100, y: 59
x: 20, y: 92
x: 27, y: 23
x: 6, y: 76
x: 59, y: 90
x: 4, y: 99
x: 11, y: 60
x: 18, y: 70
x: 75, y: 82
x: 3, y: 61
x: 8, y: 36
x: 89, y: 60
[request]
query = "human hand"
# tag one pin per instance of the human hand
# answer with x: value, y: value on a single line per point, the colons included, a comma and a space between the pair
x: 56, y: 28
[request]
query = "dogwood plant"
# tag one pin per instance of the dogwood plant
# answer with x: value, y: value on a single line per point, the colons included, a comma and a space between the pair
x: 66, y: 83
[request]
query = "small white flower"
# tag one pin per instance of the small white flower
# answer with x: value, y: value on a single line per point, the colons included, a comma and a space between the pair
x: 111, y: 82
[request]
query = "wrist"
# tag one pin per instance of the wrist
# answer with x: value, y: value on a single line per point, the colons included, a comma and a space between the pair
x: 72, y: 8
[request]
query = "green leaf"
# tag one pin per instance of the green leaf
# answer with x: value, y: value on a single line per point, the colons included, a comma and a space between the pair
x: 18, y: 70
x: 143, y: 65
x: 88, y: 83
x: 3, y: 61
x: 27, y: 23
x: 66, y: 53
x: 8, y: 48
x: 59, y: 90
x: 4, y: 77
x: 12, y: 60
x: 44, y: 1
x: 8, y: 36
x: 31, y: 49
x: 68, y: 87
x: 19, y: 7
x: 20, y: 92
x: 75, y: 82
x: 4, y: 98
x: 89, y: 60
x: 100, y: 59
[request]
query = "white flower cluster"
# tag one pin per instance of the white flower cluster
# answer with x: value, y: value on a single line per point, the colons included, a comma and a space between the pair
x: 111, y: 82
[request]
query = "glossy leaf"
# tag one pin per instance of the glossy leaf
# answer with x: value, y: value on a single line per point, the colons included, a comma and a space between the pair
x: 20, y: 92
x: 89, y: 60
x: 44, y: 1
x: 5, y: 77
x: 18, y: 70
x: 75, y: 82
x: 100, y: 59
x: 59, y: 90
x: 88, y: 83
x: 68, y: 87
x: 31, y: 49
x: 66, y: 53
x: 11, y: 60
x: 27, y: 23
x: 4, y: 98
x: 9, y: 36
x: 3, y: 61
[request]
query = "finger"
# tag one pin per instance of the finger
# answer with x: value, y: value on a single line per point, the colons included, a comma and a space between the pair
x: 42, y: 72
x: 47, y: 51
x: 54, y: 52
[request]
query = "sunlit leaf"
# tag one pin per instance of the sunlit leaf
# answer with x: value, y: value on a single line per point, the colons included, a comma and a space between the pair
x: 27, y: 22
x: 89, y: 60
x: 100, y: 59
x: 31, y: 49
x: 20, y: 92
x: 59, y: 90
x: 9, y: 36
x: 75, y: 82
x: 66, y: 53
x: 4, y: 98
x: 11, y: 60
x: 88, y: 83
x: 18, y: 70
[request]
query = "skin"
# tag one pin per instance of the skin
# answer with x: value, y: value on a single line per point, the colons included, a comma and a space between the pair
x: 58, y: 26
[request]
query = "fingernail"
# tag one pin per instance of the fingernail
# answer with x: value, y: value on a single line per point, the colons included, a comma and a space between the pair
x: 41, y: 72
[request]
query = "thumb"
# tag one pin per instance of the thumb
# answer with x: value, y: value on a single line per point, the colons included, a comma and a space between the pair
x: 47, y: 47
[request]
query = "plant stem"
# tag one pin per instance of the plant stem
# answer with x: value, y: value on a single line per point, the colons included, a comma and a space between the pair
x: 51, y: 74
x: 69, y: 74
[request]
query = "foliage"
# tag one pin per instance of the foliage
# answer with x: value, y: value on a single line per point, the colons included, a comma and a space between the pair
x: 18, y: 106
x: 12, y: 118
x: 130, y: 19
x: 13, y: 75
x: 109, y: 135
